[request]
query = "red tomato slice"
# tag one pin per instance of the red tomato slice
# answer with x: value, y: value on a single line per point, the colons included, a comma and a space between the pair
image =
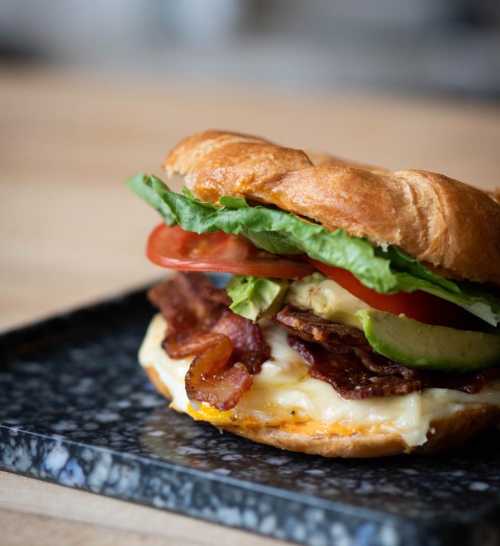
x: 416, y: 305
x: 175, y: 248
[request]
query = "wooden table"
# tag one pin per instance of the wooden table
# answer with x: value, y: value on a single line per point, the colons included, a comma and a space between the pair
x: 71, y: 232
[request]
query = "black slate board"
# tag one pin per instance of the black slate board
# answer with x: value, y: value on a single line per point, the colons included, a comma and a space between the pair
x: 76, y: 409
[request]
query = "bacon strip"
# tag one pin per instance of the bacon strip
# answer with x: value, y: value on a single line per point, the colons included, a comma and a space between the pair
x: 470, y: 383
x: 337, y: 355
x: 211, y: 378
x: 333, y: 335
x: 229, y: 349
x: 249, y: 346
x: 188, y: 301
x: 348, y: 376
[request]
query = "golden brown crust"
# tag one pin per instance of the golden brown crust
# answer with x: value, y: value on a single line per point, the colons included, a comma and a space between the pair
x: 214, y: 161
x: 436, y: 219
x: 323, y: 158
x: 443, y: 434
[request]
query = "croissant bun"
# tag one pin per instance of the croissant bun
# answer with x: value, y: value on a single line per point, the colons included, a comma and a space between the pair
x: 440, y: 221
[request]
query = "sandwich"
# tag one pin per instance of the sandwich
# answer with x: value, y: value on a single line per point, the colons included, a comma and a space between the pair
x: 355, y: 311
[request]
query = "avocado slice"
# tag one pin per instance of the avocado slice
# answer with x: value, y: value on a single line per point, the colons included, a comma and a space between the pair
x: 424, y: 346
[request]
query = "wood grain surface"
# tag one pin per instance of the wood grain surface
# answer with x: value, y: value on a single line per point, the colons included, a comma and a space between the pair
x: 71, y: 233
x: 35, y: 512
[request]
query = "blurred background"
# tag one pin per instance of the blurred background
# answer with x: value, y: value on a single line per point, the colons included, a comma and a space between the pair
x: 431, y: 46
x: 93, y: 92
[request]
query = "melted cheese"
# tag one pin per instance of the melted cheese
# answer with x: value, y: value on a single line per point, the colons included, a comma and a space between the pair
x: 283, y: 394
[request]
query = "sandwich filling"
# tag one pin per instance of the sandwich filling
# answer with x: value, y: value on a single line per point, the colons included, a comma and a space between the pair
x: 301, y: 372
x: 284, y: 394
x: 315, y: 328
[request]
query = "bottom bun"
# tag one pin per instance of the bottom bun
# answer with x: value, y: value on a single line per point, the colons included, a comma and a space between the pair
x: 445, y: 433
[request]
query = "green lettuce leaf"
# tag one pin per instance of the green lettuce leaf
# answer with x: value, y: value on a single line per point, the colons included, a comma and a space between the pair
x: 412, y: 275
x: 402, y: 262
x: 267, y: 227
x: 233, y: 202
x: 255, y: 297
x: 383, y: 270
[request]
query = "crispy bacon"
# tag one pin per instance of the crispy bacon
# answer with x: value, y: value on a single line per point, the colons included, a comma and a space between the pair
x: 347, y: 374
x: 229, y: 349
x: 189, y: 301
x: 187, y: 344
x: 309, y: 327
x: 355, y: 371
x: 223, y: 371
x: 470, y: 383
x: 211, y: 378
x: 248, y: 342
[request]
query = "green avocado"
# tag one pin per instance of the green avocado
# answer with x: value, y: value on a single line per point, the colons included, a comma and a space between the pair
x: 424, y: 346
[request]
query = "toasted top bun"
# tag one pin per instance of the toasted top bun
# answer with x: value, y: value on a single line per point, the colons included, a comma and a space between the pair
x: 443, y: 434
x: 443, y: 222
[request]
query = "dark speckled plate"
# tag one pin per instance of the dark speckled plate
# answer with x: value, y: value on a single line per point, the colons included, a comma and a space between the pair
x: 76, y: 409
